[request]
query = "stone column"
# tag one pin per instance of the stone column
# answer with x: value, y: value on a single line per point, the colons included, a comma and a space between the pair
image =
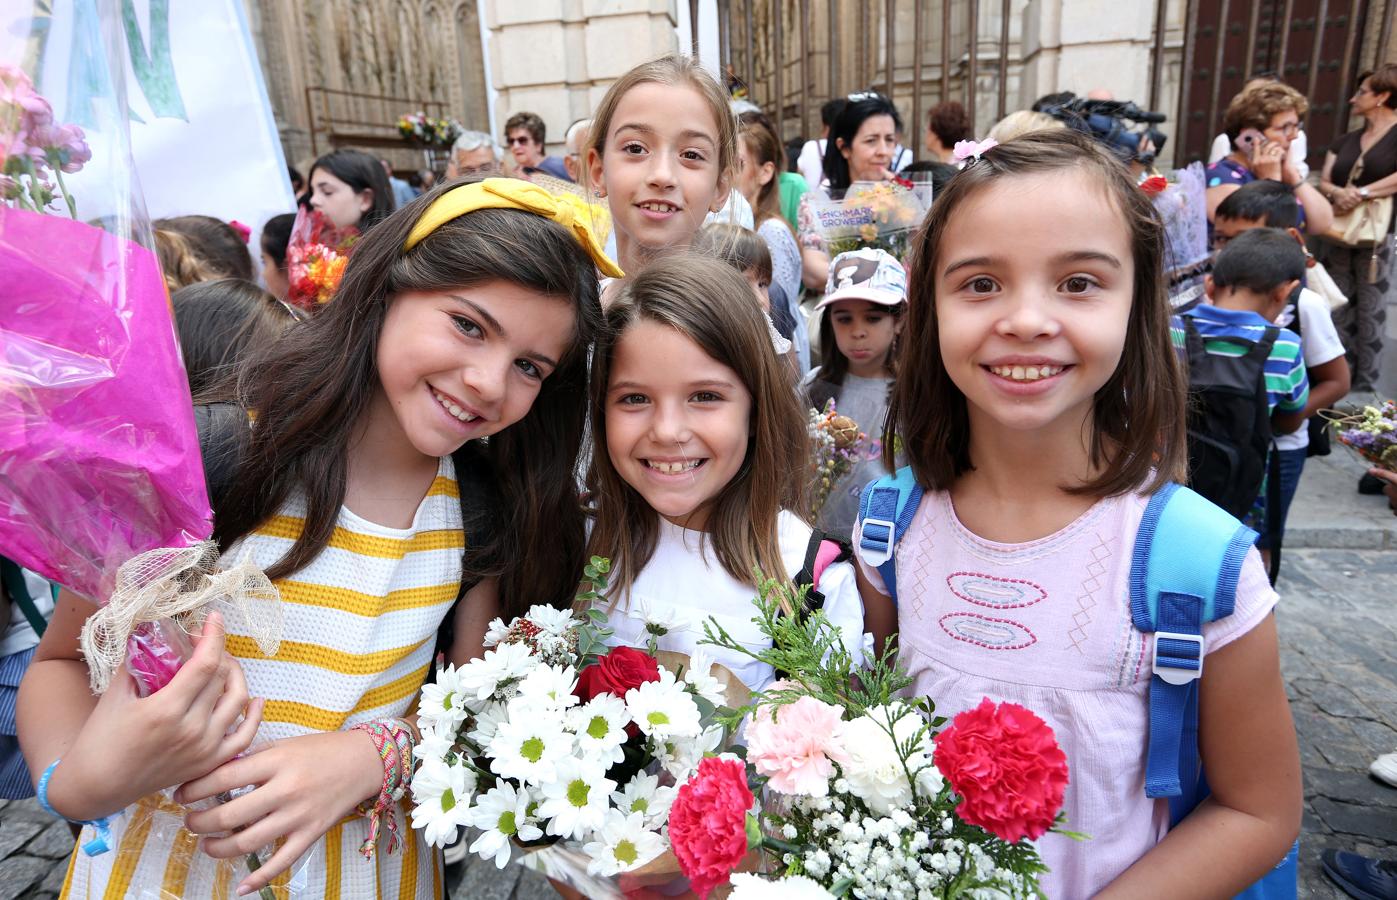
x: 1078, y: 45
x: 556, y: 58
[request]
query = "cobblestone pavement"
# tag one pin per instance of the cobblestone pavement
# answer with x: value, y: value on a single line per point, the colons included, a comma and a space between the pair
x: 1338, y: 632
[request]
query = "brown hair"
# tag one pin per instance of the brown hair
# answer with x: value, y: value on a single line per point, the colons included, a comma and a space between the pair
x: 220, y: 323
x: 1383, y: 80
x: 949, y: 123
x: 1137, y: 436
x: 1257, y: 105
x: 528, y: 121
x: 742, y: 248
x: 180, y: 261
x: 676, y: 70
x: 758, y: 135
x: 709, y: 303
x: 530, y: 532
x: 216, y: 242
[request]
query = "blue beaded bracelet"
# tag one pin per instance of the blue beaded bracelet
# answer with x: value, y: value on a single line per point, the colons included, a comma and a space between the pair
x: 99, y: 844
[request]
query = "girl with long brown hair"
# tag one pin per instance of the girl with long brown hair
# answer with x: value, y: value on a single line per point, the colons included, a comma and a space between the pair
x: 409, y: 465
x: 1041, y: 408
x: 698, y: 462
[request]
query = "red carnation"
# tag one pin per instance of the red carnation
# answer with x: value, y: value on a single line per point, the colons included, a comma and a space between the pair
x: 1006, y: 765
x: 708, y: 823
x: 1155, y: 184
x: 618, y: 671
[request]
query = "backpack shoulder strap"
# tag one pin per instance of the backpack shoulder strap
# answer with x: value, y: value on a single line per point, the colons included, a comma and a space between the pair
x: 1187, y: 559
x: 821, y: 551
x: 886, y: 508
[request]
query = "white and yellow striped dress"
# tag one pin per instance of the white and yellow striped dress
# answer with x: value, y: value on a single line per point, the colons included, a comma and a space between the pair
x: 360, y: 630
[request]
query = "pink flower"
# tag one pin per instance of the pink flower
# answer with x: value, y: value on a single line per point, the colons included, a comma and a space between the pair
x: 1006, y: 765
x: 708, y: 822
x: 798, y: 746
x: 964, y: 150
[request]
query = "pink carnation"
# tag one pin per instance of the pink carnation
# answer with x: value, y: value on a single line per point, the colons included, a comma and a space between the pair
x: 1007, y: 767
x: 798, y: 746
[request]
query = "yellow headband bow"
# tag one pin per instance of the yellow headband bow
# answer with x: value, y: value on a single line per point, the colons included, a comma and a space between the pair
x: 510, y: 193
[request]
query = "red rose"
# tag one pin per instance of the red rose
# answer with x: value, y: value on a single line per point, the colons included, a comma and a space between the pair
x: 708, y: 823
x: 1006, y: 765
x: 619, y: 671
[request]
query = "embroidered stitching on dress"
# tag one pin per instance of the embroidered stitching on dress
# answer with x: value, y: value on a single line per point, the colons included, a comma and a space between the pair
x: 965, y: 584
x: 1013, y: 627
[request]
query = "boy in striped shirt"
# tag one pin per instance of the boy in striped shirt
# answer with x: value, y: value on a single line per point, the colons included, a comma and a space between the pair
x: 1253, y: 279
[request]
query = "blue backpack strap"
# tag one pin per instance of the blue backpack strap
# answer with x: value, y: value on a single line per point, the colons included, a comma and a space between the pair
x: 1187, y: 559
x: 886, y: 508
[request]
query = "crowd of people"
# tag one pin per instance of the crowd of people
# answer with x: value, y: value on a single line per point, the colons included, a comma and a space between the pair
x: 499, y: 390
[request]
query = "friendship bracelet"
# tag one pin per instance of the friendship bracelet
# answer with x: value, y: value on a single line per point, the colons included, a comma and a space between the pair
x: 99, y: 844
x: 394, y: 742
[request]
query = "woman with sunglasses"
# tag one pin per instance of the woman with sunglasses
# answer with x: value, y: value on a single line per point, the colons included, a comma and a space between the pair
x: 1260, y: 123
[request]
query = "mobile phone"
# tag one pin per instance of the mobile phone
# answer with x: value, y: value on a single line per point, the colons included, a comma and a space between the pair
x: 1249, y: 140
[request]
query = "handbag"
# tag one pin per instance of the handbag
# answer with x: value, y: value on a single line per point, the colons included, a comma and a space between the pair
x: 1367, y: 223
x: 1318, y: 279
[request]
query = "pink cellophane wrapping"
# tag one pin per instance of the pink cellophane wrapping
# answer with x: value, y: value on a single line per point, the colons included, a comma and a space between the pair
x: 99, y: 459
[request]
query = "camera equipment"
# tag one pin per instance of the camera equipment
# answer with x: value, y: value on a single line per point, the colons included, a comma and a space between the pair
x: 1121, y: 125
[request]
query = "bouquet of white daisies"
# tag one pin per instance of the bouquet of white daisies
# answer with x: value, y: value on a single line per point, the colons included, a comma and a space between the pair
x: 552, y: 736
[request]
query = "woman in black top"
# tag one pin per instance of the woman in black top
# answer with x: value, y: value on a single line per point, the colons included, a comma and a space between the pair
x: 1362, y: 272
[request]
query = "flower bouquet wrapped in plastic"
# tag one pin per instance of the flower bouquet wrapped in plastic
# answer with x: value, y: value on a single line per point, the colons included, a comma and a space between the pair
x: 865, y: 794
x: 101, y: 485
x: 316, y: 256
x: 1371, y: 433
x: 883, y: 215
x: 552, y: 742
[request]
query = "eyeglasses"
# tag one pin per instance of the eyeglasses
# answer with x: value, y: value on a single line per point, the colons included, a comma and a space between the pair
x: 519, y: 139
x: 864, y: 95
x: 1289, y: 129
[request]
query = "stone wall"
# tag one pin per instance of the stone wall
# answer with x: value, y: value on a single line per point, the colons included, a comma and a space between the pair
x: 556, y: 58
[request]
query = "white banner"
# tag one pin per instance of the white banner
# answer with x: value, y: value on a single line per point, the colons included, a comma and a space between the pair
x: 202, y: 133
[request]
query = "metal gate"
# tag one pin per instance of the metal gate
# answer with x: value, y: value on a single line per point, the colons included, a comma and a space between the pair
x: 795, y: 54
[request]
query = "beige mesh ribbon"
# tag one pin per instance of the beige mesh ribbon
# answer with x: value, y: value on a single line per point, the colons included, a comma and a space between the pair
x: 183, y: 585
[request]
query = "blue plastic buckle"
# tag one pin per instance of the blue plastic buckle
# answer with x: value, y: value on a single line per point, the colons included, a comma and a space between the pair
x: 876, y: 541
x: 1178, y: 658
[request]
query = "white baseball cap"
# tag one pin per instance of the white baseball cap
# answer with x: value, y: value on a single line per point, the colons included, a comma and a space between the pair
x: 865, y: 274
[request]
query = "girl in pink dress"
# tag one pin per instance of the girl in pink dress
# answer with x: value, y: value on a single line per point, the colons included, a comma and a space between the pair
x: 1040, y: 405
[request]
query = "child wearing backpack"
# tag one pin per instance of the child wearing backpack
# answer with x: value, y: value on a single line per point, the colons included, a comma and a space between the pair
x: 1030, y: 552
x: 1270, y: 204
x: 1246, y: 377
x: 864, y: 306
x: 698, y: 464
x: 367, y: 492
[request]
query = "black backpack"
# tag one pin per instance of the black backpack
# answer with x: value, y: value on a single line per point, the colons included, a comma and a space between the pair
x: 1229, y: 428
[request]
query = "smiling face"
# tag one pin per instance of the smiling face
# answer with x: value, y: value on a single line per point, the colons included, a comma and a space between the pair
x: 338, y: 201
x: 871, y: 151
x: 469, y: 362
x: 659, y: 169
x: 864, y: 332
x: 677, y: 422
x: 1029, y: 336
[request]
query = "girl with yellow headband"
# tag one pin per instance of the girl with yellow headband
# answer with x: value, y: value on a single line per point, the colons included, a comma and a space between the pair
x: 367, y: 490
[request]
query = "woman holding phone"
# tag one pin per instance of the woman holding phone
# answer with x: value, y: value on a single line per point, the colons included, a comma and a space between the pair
x: 1261, y: 122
